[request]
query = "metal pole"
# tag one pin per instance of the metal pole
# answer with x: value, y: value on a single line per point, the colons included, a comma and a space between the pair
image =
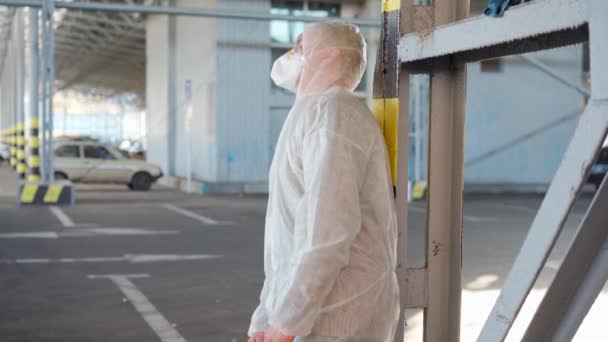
x: 13, y: 97
x: 172, y: 95
x: 42, y: 95
x: 402, y: 199
x: 444, y: 214
x: 33, y: 160
x: 579, y: 280
x: 598, y: 273
x: 188, y: 129
x: 20, y: 95
x: 590, y: 288
x: 567, y: 182
x: 48, y: 81
x: 194, y: 12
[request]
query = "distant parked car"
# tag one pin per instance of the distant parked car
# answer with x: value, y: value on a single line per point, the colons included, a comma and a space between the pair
x: 132, y: 149
x: 82, y: 160
x: 4, y: 152
x: 599, y: 169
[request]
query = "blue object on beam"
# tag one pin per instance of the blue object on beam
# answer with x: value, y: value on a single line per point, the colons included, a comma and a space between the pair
x: 496, y: 8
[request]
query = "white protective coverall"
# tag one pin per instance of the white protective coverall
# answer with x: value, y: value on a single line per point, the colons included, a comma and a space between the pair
x: 331, y: 231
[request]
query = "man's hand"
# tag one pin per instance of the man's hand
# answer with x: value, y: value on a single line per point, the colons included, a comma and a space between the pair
x: 257, y: 337
x: 273, y: 335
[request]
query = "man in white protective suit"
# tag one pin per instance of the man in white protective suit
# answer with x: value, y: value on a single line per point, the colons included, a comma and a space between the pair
x: 331, y: 227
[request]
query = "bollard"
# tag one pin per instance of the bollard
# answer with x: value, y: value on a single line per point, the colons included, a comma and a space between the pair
x: 33, y: 160
x: 20, y: 146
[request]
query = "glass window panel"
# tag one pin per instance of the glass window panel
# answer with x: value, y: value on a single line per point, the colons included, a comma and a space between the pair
x: 68, y: 151
x: 282, y: 31
x: 97, y: 152
x: 319, y: 9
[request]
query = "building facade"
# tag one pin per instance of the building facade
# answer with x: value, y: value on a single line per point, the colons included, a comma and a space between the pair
x: 519, y: 119
x: 237, y: 112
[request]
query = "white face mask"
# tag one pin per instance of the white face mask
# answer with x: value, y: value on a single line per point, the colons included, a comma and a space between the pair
x: 286, y: 70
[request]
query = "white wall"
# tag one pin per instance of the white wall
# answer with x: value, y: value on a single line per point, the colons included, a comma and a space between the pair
x: 503, y: 107
x: 196, y: 61
x: 243, y: 91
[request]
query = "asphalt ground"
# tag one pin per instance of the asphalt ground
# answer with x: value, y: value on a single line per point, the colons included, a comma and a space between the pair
x: 167, y: 266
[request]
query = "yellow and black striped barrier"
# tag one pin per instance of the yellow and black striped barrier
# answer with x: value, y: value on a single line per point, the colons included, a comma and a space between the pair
x: 6, y: 135
x: 33, y: 159
x: 20, y: 150
x: 46, y: 194
x: 9, y: 137
x: 386, y: 81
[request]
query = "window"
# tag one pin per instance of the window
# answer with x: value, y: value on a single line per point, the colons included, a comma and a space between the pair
x: 286, y: 32
x: 491, y: 65
x: 97, y: 152
x: 68, y: 151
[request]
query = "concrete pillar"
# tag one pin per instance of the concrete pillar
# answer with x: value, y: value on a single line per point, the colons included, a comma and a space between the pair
x: 180, y: 49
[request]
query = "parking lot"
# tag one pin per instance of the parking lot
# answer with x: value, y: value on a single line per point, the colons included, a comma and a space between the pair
x: 168, y: 266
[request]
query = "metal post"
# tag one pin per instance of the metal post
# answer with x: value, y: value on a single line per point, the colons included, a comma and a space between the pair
x: 188, y: 129
x: 590, y: 288
x: 567, y: 182
x: 48, y: 81
x: 584, y: 270
x: 20, y: 94
x: 393, y: 119
x: 13, y: 99
x: 579, y: 280
x: 444, y: 214
x: 172, y: 95
x: 401, y: 201
x: 33, y: 160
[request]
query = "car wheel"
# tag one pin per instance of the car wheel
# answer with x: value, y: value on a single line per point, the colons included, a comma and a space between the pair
x: 141, y: 181
x: 61, y: 176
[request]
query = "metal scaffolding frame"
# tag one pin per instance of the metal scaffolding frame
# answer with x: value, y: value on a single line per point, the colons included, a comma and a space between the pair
x: 439, y: 40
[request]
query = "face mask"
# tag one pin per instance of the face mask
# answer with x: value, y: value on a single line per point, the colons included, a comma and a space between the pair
x: 286, y: 69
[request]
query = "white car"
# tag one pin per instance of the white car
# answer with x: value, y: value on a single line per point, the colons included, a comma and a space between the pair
x: 4, y: 152
x: 94, y: 162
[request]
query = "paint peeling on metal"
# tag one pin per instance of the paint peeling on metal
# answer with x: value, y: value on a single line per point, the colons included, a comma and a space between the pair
x: 436, y: 247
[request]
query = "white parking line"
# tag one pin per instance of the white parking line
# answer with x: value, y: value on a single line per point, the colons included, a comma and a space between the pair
x: 65, y: 220
x: 88, y: 232
x: 131, y: 258
x: 112, y: 231
x: 188, y: 213
x: 161, y: 326
x: 465, y: 217
x: 510, y: 206
x: 30, y: 235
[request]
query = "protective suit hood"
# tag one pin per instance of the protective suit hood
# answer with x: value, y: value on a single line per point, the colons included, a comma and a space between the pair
x: 335, y: 54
